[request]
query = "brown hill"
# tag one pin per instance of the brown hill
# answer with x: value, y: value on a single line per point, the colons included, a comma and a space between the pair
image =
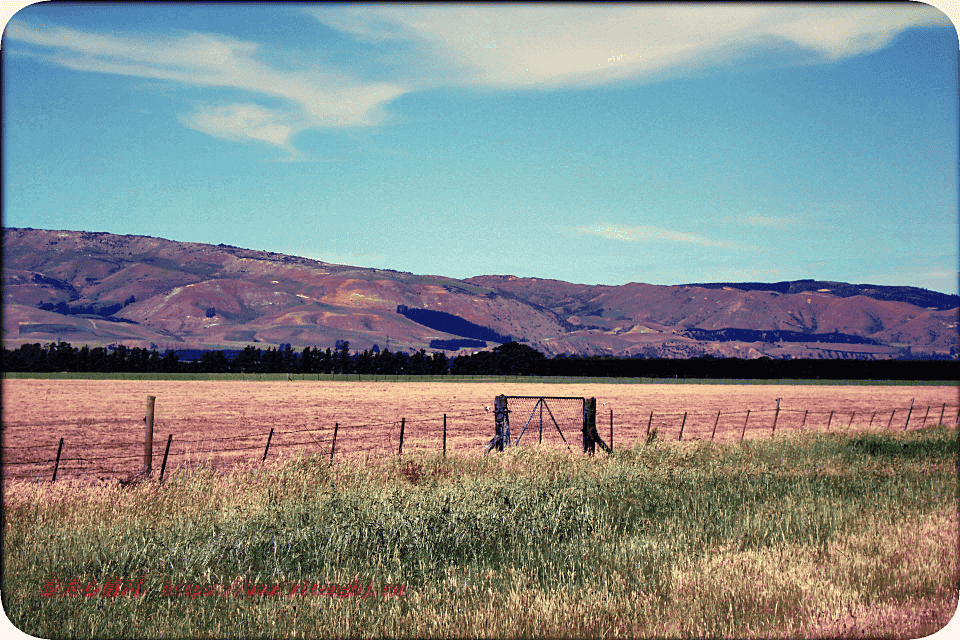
x: 99, y: 288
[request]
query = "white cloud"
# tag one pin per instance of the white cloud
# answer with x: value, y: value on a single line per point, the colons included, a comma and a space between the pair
x: 310, y: 99
x: 491, y: 46
x: 575, y: 45
x: 645, y: 233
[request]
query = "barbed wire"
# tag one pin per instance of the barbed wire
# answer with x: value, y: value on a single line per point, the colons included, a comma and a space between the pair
x: 352, y: 434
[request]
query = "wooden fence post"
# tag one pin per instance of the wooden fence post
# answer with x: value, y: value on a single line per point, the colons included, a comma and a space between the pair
x: 852, y: 413
x: 402, y: 423
x: 163, y: 466
x: 922, y: 425
x: 775, y: 416
x: 56, y: 465
x: 148, y: 436
x: 682, y: 425
x: 908, y: 414
x: 871, y: 420
x: 715, y: 427
x: 589, y: 424
x: 649, y: 423
x: 444, y: 435
x: 611, y: 429
x: 806, y: 411
x: 333, y: 447
x: 942, y: 411
x: 891, y: 419
x: 745, y: 426
x: 269, y: 438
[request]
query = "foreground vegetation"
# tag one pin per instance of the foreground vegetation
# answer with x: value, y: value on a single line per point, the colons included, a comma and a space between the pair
x: 813, y: 535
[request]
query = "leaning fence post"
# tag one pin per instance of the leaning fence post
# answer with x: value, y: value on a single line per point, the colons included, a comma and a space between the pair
x: 163, y: 466
x: 336, y: 426
x: 925, y: 417
x: 804, y: 419
x: 402, y: 423
x: 444, y: 435
x: 650, y: 422
x: 775, y: 416
x: 908, y: 414
x: 852, y: 413
x: 148, y: 436
x: 715, y: 427
x: 56, y: 465
x: 942, y: 412
x: 269, y: 438
x: 745, y: 426
x: 891, y: 418
x: 829, y: 420
x: 682, y: 424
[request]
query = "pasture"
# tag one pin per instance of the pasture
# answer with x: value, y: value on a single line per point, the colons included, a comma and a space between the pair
x: 812, y: 532
x: 226, y: 422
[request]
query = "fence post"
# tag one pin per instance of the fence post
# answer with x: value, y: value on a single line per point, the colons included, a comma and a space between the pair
x: 333, y: 447
x: 745, y: 426
x: 589, y: 424
x: 649, y: 423
x: 775, y: 416
x: 804, y: 419
x: 942, y: 411
x: 908, y: 414
x: 611, y: 429
x: 715, y: 427
x: 852, y: 413
x: 891, y: 419
x: 269, y: 438
x: 444, y: 435
x: 871, y: 420
x: 163, y: 465
x: 829, y: 420
x: 682, y: 424
x: 56, y: 465
x: 402, y: 423
x: 925, y: 417
x: 148, y: 436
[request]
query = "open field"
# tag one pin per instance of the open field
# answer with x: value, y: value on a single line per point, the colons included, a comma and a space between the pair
x: 224, y: 422
x: 808, y: 535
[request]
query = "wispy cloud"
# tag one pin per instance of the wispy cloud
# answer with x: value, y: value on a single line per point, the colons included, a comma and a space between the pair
x: 645, y: 233
x: 490, y: 46
x: 576, y: 45
x: 308, y: 99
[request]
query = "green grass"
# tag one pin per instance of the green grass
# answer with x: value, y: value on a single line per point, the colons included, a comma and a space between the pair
x: 353, y: 377
x: 812, y: 535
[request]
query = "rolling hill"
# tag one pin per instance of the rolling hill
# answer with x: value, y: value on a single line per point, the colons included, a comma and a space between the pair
x: 100, y: 288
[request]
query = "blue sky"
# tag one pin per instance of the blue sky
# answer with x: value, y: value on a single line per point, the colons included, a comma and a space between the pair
x: 597, y: 144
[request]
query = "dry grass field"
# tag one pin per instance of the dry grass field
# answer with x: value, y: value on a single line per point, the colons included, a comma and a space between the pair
x: 219, y: 423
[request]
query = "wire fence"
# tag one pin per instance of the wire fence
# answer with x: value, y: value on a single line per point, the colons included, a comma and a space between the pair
x: 461, y: 432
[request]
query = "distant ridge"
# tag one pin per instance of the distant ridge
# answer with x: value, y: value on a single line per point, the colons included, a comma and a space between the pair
x: 100, y: 289
x: 911, y: 295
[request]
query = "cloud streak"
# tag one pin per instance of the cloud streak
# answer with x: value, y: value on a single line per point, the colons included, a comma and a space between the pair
x: 646, y: 233
x: 482, y: 46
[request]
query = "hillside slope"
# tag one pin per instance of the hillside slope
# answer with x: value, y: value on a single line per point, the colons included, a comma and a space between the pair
x: 100, y: 288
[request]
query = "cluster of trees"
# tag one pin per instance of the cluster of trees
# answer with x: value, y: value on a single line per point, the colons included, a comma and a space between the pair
x: 64, y: 357
x: 507, y: 359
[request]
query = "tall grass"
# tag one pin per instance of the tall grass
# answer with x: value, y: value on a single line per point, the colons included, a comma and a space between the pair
x: 813, y: 535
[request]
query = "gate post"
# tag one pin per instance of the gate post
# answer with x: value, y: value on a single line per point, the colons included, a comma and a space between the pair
x: 590, y: 436
x: 501, y: 437
x: 589, y: 424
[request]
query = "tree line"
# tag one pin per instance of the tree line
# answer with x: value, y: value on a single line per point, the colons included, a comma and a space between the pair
x: 507, y: 359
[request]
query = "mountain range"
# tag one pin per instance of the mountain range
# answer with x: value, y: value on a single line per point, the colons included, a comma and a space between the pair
x: 101, y: 289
